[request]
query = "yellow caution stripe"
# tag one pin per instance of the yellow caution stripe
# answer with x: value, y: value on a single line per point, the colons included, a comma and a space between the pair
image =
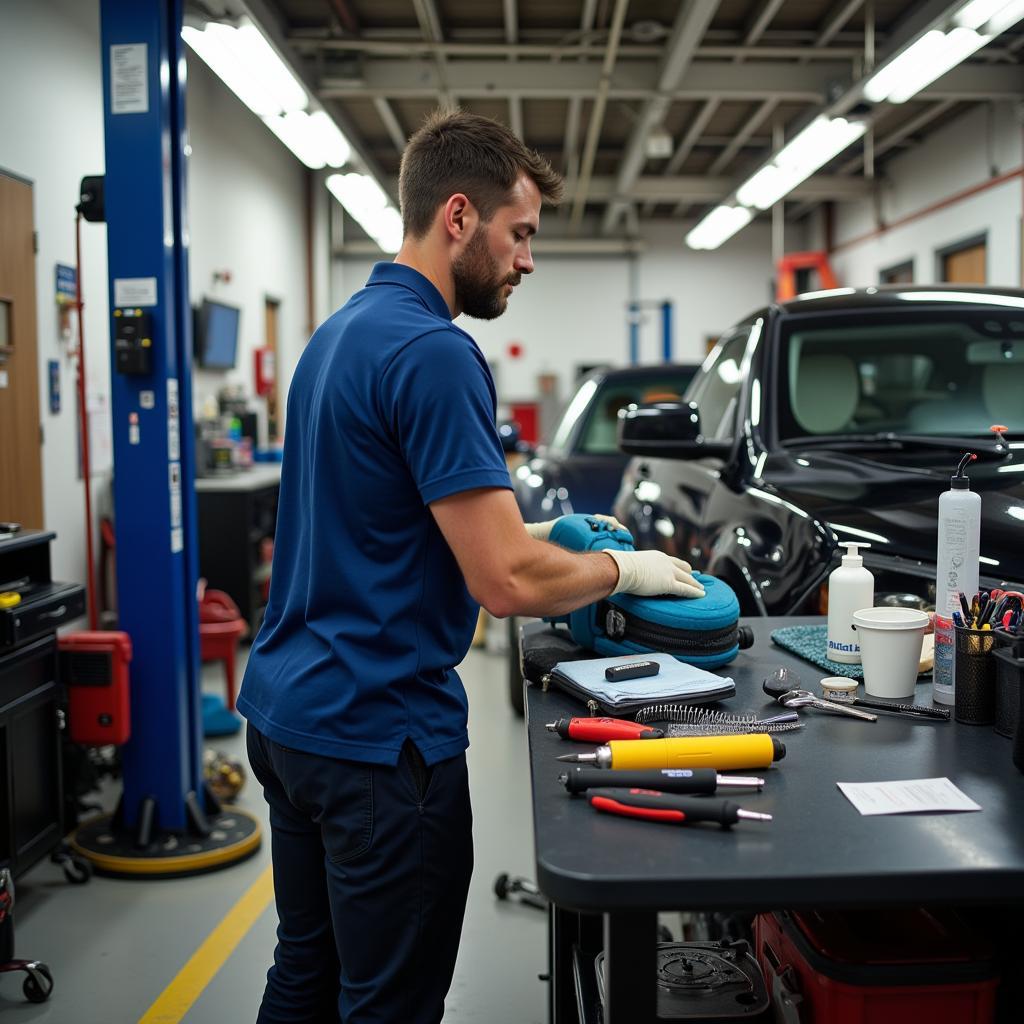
x: 177, y: 999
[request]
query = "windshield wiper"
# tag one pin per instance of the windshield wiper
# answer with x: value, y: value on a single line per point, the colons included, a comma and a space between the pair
x: 888, y: 439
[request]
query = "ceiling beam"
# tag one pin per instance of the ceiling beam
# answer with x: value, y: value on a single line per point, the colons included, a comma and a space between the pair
x: 417, y: 78
x: 597, y: 116
x: 515, y: 104
x: 402, y: 47
x: 688, y: 30
x: 761, y: 21
x: 430, y: 26
x: 894, y: 138
x: 570, y: 152
x: 836, y: 21
x: 394, y: 129
x: 755, y: 121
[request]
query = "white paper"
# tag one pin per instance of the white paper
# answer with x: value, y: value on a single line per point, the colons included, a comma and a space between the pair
x: 908, y: 796
x: 129, y: 87
x: 134, y: 291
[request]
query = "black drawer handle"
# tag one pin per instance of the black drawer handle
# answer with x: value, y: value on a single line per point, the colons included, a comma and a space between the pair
x: 56, y: 613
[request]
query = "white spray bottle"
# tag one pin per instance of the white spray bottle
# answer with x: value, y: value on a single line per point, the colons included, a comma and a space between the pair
x: 851, y: 587
x: 956, y: 571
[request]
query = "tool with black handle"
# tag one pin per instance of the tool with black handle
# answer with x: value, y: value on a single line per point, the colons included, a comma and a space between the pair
x: 695, y: 781
x: 601, y: 730
x: 650, y: 805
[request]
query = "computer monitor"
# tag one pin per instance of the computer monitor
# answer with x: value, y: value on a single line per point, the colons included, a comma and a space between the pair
x: 216, y: 335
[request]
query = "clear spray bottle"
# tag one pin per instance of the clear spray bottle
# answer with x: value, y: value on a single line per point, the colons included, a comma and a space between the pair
x: 956, y: 570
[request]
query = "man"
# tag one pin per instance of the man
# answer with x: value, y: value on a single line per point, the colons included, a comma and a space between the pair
x: 396, y: 518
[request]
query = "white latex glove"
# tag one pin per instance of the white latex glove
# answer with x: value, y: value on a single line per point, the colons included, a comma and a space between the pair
x: 541, y: 531
x: 653, y: 573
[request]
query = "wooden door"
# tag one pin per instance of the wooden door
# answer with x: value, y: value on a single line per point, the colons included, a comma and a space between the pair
x: 272, y: 307
x: 21, y: 472
x: 965, y: 266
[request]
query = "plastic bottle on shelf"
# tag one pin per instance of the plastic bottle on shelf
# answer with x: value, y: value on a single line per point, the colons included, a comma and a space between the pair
x: 956, y: 571
x: 851, y: 587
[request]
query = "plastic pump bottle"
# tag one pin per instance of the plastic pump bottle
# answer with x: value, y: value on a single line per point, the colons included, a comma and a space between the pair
x: 851, y: 587
x: 956, y: 571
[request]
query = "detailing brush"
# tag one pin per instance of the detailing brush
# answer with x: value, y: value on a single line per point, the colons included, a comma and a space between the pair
x: 696, y: 721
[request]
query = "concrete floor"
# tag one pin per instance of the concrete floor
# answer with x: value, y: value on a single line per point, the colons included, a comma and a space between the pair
x: 114, y: 945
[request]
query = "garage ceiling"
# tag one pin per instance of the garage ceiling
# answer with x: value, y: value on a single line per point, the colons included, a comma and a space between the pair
x: 652, y: 109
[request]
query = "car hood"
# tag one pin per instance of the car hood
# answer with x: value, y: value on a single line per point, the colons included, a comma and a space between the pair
x: 890, y: 500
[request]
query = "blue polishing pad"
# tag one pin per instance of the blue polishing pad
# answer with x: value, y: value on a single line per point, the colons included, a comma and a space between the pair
x: 217, y: 720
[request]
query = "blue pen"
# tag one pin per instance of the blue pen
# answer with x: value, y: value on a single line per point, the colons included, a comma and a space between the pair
x: 958, y: 620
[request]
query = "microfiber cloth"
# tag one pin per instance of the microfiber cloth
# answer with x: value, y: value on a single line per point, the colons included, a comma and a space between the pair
x: 675, y: 681
x: 810, y: 643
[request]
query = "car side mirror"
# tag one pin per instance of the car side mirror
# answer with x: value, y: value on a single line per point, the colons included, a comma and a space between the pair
x: 666, y: 430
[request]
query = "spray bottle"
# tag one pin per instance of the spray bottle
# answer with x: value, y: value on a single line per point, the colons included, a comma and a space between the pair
x: 956, y: 570
x: 851, y: 587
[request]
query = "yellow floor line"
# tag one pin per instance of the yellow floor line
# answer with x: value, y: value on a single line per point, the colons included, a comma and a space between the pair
x: 177, y: 999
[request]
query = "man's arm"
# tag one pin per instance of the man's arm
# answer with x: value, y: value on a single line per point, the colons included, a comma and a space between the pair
x: 506, y: 570
x: 510, y: 573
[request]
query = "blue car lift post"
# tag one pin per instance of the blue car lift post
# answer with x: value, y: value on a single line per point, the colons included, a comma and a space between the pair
x: 167, y: 822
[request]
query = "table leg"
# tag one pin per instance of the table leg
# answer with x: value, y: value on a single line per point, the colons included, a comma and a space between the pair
x: 563, y: 932
x: 630, y: 995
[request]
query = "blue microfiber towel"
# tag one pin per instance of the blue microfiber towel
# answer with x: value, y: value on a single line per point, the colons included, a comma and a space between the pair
x: 810, y: 643
x: 217, y: 720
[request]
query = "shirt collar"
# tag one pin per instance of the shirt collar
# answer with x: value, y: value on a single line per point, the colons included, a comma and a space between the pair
x: 400, y: 274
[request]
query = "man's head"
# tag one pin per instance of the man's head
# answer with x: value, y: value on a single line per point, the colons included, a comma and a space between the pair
x: 469, y: 185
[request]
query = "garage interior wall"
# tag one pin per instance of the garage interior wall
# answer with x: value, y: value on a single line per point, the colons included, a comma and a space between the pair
x: 572, y: 310
x: 982, y: 144
x: 247, y: 215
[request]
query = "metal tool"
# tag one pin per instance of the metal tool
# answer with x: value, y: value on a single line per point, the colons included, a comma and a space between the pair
x: 695, y: 781
x: 695, y: 721
x: 779, y: 686
x: 670, y: 809
x: 843, y: 696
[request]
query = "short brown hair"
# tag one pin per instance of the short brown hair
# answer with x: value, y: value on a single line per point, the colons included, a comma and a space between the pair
x: 460, y: 152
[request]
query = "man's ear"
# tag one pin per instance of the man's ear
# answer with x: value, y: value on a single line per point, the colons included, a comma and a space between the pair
x: 459, y: 217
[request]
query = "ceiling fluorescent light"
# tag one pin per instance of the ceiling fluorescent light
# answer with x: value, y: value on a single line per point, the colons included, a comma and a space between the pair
x: 1006, y: 16
x: 297, y: 132
x: 929, y: 58
x: 719, y: 225
x: 249, y: 66
x: 333, y: 145
x: 367, y: 203
x: 977, y: 12
x: 811, y: 149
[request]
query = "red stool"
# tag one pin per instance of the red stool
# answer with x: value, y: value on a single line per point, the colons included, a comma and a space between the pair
x: 221, y: 626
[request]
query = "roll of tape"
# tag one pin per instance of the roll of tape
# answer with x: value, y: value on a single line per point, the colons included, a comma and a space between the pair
x: 838, y: 688
x: 9, y: 598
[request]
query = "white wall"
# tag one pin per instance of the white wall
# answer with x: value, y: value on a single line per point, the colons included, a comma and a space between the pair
x: 247, y: 214
x: 572, y: 310
x: 955, y: 158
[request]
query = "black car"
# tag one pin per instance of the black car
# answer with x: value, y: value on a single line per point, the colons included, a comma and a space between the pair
x: 837, y: 416
x: 580, y: 466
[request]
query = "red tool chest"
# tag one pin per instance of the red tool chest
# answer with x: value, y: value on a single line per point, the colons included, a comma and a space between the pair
x: 94, y: 668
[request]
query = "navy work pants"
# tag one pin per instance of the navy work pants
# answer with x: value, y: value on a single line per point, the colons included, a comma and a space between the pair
x: 371, y: 872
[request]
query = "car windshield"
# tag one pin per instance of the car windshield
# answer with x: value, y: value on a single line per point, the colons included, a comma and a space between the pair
x: 952, y: 373
x: 600, y: 430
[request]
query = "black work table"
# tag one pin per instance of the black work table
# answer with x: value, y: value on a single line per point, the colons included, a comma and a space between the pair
x: 818, y: 852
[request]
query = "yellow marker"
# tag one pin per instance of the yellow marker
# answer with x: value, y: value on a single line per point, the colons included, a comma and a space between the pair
x: 9, y: 598
x: 753, y: 750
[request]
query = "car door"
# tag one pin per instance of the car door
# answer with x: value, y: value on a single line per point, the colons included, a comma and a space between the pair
x: 670, y: 494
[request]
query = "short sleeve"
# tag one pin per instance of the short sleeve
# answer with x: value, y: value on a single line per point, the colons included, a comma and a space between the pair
x: 438, y: 397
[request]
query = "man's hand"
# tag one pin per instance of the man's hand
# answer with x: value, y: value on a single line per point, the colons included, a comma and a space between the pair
x: 542, y: 531
x: 653, y: 573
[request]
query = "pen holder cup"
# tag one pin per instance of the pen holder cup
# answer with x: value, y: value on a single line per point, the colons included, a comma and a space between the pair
x: 975, y: 677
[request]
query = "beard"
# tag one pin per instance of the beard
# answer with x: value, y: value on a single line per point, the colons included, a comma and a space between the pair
x: 479, y: 285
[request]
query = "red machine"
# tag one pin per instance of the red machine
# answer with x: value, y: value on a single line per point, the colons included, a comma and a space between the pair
x: 886, y: 967
x: 785, y: 282
x: 94, y: 668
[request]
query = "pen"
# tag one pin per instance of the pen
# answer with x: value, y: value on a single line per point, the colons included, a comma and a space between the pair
x: 958, y: 620
x: 966, y: 607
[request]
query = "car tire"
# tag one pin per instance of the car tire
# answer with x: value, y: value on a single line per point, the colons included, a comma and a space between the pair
x: 515, y: 672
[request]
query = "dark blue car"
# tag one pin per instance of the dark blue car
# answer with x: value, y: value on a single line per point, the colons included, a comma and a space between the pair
x: 580, y: 467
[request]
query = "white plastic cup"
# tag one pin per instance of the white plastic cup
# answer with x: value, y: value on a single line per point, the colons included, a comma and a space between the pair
x: 890, y: 649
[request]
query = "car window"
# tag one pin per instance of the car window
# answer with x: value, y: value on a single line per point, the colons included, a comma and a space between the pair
x: 955, y: 372
x: 717, y: 389
x: 601, y: 433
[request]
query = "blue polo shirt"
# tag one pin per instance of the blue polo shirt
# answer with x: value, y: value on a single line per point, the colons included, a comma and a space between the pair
x: 391, y: 407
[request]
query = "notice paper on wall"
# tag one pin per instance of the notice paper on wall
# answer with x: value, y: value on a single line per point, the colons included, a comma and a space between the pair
x: 908, y: 796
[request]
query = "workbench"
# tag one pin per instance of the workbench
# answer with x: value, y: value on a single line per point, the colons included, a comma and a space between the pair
x: 608, y: 877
